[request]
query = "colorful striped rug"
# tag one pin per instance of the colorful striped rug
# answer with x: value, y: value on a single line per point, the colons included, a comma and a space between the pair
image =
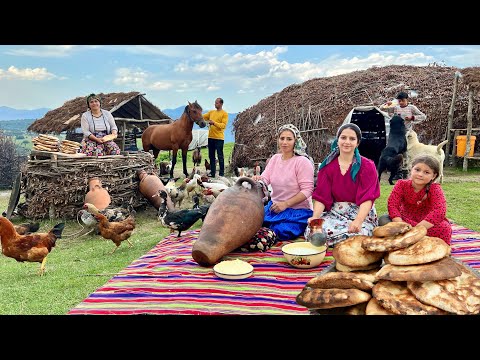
x: 167, y: 280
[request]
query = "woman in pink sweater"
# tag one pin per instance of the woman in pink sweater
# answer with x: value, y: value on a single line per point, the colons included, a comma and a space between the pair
x: 290, y: 176
x: 347, y: 186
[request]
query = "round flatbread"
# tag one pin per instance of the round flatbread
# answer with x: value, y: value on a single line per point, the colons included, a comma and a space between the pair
x: 396, y: 242
x: 423, y: 251
x: 436, y: 270
x: 372, y: 267
x: 342, y: 280
x: 331, y: 298
x: 395, y: 297
x: 350, y: 252
x: 374, y: 308
x: 391, y: 229
x: 460, y: 295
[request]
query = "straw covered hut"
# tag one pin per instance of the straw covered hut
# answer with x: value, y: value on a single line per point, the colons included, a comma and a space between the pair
x: 319, y: 106
x: 132, y: 113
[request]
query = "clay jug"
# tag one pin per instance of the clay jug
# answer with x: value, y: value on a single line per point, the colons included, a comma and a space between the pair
x: 232, y: 219
x: 97, y: 195
x: 149, y: 185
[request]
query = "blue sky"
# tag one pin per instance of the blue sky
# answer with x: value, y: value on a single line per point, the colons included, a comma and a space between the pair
x: 46, y: 76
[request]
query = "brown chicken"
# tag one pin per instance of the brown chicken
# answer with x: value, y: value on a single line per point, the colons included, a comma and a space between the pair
x: 117, y: 231
x: 32, y: 248
x: 26, y: 228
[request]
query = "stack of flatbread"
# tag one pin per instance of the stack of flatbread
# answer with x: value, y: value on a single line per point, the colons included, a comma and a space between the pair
x: 69, y: 147
x: 45, y: 143
x: 417, y: 276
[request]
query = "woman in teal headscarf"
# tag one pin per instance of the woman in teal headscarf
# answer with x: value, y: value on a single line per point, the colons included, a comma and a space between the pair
x: 347, y: 186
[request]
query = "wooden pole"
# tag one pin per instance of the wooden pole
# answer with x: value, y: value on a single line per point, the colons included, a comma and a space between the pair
x: 469, y: 128
x: 450, y: 119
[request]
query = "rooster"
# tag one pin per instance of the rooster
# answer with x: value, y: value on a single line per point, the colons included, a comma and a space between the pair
x: 31, y: 248
x: 117, y: 231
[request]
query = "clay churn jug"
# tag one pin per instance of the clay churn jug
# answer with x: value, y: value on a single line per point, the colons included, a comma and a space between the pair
x: 97, y: 195
x: 149, y: 185
x: 233, y: 219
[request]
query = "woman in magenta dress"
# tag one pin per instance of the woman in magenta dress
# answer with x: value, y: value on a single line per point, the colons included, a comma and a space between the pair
x: 347, y: 186
x: 419, y: 200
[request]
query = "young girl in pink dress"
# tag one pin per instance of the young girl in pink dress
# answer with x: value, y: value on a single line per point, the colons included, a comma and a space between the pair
x: 419, y: 200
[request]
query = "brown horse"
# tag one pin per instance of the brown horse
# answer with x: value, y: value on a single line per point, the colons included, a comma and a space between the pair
x: 174, y: 136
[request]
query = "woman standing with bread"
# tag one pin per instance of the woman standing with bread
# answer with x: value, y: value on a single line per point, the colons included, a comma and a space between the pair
x: 347, y: 186
x: 99, y: 130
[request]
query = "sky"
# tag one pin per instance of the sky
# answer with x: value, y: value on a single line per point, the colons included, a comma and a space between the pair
x: 46, y: 76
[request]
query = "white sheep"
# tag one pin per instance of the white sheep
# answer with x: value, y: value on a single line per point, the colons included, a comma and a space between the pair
x: 415, y: 148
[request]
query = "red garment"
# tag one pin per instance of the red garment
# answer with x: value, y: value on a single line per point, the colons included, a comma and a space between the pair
x: 407, y: 204
x: 334, y: 187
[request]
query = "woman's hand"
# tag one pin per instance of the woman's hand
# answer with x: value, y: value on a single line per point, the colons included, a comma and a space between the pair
x: 256, y: 178
x: 311, y: 218
x: 355, y: 226
x: 278, y: 207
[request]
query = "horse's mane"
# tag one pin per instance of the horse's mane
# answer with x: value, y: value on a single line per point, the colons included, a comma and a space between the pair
x: 195, y: 103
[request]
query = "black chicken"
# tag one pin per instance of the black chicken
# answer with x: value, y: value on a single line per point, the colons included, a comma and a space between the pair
x: 202, y: 208
x: 179, y: 220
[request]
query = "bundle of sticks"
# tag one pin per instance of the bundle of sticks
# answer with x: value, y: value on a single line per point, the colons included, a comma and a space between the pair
x: 69, y: 147
x: 45, y: 143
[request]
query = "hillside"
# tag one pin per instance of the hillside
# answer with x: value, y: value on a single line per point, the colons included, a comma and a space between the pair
x: 229, y: 135
x: 8, y: 113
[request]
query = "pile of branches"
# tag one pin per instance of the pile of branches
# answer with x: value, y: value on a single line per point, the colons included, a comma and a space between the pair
x: 332, y: 98
x: 57, y: 188
x: 10, y: 161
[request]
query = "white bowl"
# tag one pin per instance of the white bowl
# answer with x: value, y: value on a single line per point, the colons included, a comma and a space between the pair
x: 233, y: 269
x: 304, y: 255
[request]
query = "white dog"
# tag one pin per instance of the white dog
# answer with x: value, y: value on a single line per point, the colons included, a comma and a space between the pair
x: 415, y: 148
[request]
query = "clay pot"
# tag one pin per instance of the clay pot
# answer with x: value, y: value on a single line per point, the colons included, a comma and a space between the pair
x: 232, y: 219
x: 149, y: 185
x: 97, y: 195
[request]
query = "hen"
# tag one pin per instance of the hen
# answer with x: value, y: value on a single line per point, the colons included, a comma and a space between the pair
x: 179, y: 220
x: 26, y: 228
x: 31, y: 248
x: 117, y: 231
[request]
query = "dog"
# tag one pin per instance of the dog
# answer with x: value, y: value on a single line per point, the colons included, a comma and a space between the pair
x: 415, y: 148
x: 391, y: 157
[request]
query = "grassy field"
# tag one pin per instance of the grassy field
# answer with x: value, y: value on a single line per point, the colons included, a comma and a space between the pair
x: 78, y: 266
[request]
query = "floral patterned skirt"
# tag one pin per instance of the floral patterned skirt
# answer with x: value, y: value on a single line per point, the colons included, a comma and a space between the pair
x: 263, y: 240
x: 92, y: 148
x: 340, y: 216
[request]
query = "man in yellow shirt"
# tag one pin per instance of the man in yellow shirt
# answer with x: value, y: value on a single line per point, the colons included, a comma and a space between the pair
x: 218, y: 120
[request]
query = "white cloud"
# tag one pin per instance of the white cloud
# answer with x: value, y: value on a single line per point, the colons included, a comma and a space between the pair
x: 130, y: 77
x: 48, y: 51
x: 160, y: 85
x: 36, y: 74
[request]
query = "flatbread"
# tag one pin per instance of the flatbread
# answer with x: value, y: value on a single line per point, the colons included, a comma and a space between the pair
x: 342, y: 280
x: 331, y: 298
x: 341, y: 267
x: 424, y: 251
x: 396, y: 242
x: 460, y: 295
x: 358, y: 309
x: 437, y: 270
x: 350, y: 252
x: 391, y: 229
x: 374, y: 308
x: 395, y: 297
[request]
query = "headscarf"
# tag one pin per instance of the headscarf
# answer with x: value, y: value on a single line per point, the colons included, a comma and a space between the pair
x: 300, y: 147
x: 335, y: 151
x: 93, y: 96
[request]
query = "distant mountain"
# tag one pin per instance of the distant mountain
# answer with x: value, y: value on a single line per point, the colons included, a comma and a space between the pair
x: 8, y: 113
x: 229, y: 135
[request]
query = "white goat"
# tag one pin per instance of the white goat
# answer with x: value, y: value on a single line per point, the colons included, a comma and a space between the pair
x: 415, y: 148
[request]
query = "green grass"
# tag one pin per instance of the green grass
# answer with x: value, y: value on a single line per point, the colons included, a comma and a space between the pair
x: 76, y: 267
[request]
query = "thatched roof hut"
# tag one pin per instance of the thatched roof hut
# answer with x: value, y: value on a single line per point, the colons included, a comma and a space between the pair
x: 130, y: 110
x: 323, y: 104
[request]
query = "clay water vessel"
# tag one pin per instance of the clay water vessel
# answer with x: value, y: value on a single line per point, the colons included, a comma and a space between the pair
x: 97, y: 195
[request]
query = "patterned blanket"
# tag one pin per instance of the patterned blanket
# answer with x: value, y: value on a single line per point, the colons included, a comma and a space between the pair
x: 167, y: 280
